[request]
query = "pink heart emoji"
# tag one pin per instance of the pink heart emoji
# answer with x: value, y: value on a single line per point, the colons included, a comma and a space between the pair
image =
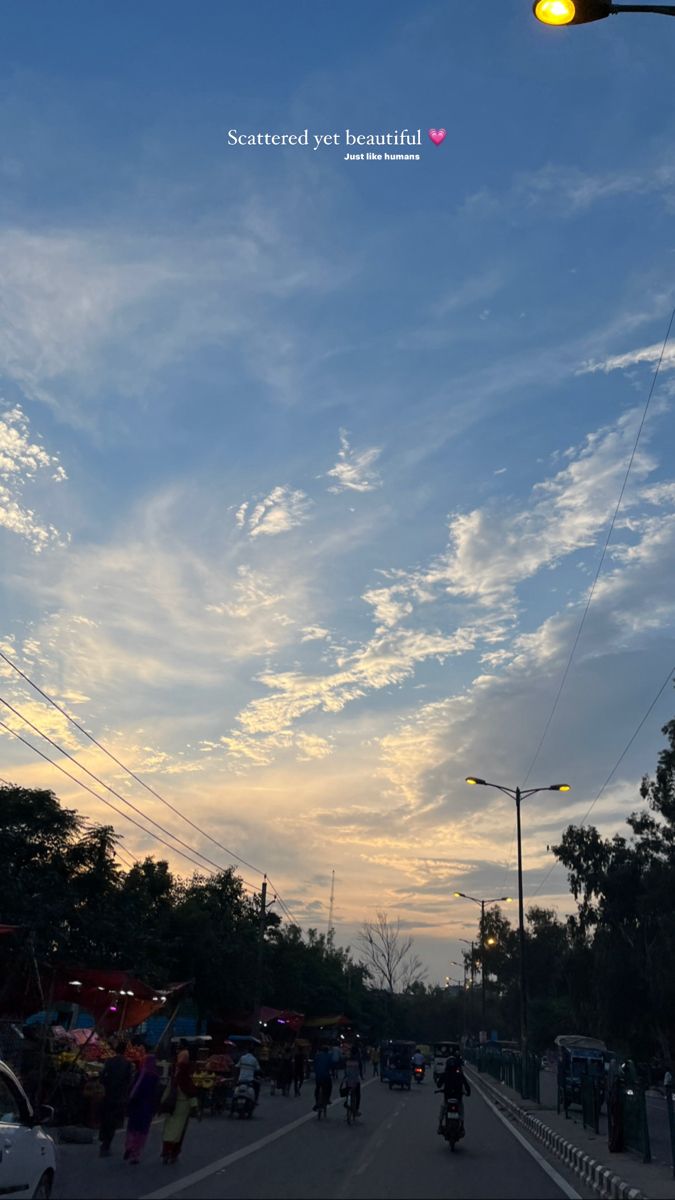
x: 437, y: 136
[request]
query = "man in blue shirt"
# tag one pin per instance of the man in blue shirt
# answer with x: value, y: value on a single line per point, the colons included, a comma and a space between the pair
x: 322, y: 1078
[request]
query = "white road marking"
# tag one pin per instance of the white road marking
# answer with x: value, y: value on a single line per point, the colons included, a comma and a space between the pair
x: 188, y: 1181
x: 545, y: 1166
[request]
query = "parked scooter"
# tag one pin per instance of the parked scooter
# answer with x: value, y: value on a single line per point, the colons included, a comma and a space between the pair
x: 243, y: 1101
x: 452, y: 1122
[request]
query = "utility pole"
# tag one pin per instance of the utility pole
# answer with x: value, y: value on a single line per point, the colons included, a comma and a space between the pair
x: 257, y: 1000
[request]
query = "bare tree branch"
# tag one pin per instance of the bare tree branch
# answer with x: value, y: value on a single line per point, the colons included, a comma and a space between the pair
x: 389, y: 956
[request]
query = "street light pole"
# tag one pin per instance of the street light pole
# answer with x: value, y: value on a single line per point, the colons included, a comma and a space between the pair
x: 482, y: 960
x: 483, y: 975
x: 519, y: 794
x: 521, y: 931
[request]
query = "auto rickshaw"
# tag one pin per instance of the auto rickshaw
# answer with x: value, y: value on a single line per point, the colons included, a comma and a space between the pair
x: 396, y: 1064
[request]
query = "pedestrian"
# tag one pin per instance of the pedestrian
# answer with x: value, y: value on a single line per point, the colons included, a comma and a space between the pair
x: 375, y: 1060
x: 298, y: 1070
x: 179, y: 1102
x: 116, y: 1079
x: 141, y: 1108
x: 286, y: 1072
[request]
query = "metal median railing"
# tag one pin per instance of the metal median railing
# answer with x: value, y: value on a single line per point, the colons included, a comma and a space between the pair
x: 670, y: 1105
x: 510, y: 1067
x: 635, y: 1127
x: 591, y: 1103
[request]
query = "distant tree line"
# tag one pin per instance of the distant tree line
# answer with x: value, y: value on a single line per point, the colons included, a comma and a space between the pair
x: 608, y: 970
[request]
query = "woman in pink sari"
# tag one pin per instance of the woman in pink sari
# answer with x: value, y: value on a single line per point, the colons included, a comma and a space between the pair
x: 141, y: 1109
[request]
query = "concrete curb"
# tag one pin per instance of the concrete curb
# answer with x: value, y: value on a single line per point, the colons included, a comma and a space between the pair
x: 608, y: 1185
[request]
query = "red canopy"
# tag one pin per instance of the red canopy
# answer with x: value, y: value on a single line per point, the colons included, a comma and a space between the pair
x: 115, y: 999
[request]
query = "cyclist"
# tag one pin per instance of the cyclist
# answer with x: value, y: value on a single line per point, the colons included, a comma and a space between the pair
x: 353, y: 1077
x: 323, y: 1078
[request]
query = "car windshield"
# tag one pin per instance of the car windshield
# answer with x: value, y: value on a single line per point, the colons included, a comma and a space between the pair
x: 11, y: 1106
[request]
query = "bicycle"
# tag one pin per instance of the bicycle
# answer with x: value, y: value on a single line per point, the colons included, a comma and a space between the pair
x: 323, y: 1102
x: 350, y: 1105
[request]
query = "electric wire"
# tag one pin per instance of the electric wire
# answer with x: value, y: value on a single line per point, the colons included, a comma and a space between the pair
x: 107, y: 786
x: 602, y: 556
x: 282, y: 904
x: 126, y: 858
x: 616, y: 766
x: 152, y: 791
x: 103, y: 800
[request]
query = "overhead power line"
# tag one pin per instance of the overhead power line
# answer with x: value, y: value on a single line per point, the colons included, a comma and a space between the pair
x: 103, y: 800
x: 128, y: 770
x: 204, y: 833
x: 615, y: 768
x: 602, y: 556
x: 102, y: 783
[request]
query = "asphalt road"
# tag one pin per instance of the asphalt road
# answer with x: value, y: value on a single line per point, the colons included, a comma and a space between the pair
x: 284, y: 1153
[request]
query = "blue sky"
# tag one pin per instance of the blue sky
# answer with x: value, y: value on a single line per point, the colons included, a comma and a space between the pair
x: 306, y: 464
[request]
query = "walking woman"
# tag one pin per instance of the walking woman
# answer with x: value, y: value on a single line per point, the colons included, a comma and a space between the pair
x: 184, y: 1091
x: 141, y: 1109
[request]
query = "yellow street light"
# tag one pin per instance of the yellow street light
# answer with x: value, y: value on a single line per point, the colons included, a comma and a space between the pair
x: 555, y: 12
x: 582, y: 12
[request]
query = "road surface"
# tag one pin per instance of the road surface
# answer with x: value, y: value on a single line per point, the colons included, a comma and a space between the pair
x: 284, y: 1153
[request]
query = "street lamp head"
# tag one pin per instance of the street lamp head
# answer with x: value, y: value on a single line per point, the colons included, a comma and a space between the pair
x: 508, y: 899
x: 570, y: 12
x: 474, y: 779
x: 560, y: 787
x: 459, y: 894
x: 491, y: 941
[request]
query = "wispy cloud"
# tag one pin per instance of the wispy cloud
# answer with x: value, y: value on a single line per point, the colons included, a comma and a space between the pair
x: 564, y: 190
x: 354, y: 470
x: 620, y: 362
x: 280, y: 511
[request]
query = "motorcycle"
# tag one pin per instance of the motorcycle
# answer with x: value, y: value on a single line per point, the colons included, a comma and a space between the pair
x: 243, y: 1101
x: 452, y: 1126
x: 419, y: 1074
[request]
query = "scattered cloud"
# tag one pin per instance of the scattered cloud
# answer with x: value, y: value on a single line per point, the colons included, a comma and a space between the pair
x: 280, y: 511
x: 354, y: 471
x: 20, y: 462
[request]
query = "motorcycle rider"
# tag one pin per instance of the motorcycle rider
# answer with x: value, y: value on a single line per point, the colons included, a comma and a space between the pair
x: 418, y: 1059
x: 455, y: 1086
